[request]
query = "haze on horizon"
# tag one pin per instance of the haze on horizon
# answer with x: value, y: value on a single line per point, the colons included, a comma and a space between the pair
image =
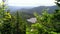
x: 30, y: 2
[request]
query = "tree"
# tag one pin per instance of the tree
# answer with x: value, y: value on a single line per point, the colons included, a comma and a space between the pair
x: 20, y: 25
x: 5, y: 17
x: 57, y: 3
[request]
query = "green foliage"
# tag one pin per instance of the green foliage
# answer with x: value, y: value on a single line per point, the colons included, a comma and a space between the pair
x: 10, y: 24
x: 47, y: 23
x: 15, y: 24
x: 57, y: 3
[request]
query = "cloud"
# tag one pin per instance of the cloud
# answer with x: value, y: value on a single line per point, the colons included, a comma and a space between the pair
x: 31, y: 2
x: 0, y: 1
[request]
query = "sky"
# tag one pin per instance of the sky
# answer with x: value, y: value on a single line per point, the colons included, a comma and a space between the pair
x: 30, y: 2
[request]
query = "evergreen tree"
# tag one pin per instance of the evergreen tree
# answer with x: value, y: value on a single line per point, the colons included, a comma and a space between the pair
x: 57, y: 2
x: 5, y: 17
x: 20, y: 26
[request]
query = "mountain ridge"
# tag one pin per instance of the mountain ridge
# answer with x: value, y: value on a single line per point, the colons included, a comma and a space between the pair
x: 31, y: 10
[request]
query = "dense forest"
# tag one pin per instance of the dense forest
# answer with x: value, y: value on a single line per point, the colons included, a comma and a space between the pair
x: 16, y: 22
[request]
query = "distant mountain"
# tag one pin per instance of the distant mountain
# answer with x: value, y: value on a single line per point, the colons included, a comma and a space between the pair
x: 14, y: 8
x: 40, y: 8
x: 31, y: 10
x: 27, y: 12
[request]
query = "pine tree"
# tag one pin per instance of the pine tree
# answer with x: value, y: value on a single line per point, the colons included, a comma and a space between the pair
x: 20, y: 24
x: 57, y: 3
x: 17, y: 23
x: 6, y: 19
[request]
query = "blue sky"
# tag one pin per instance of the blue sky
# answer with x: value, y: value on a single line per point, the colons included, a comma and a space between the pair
x: 30, y: 2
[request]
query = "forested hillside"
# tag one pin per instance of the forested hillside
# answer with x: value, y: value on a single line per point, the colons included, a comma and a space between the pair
x: 31, y: 10
x: 16, y: 22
